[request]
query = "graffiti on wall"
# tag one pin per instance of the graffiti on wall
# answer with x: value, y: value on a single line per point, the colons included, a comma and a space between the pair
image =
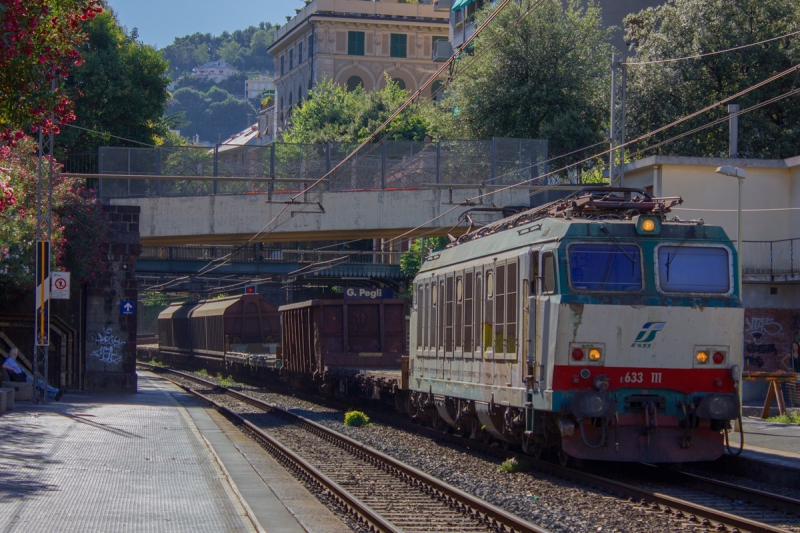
x: 108, y: 342
x: 768, y: 336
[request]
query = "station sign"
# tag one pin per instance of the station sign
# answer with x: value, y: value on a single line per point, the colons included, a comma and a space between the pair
x: 354, y: 293
x: 59, y: 285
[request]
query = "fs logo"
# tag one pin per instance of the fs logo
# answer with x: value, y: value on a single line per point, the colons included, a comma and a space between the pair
x: 648, y: 334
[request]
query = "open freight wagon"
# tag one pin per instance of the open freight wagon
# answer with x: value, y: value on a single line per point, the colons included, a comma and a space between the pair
x: 321, y: 336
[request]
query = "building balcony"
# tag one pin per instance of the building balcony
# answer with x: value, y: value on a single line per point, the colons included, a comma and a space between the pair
x: 771, y: 261
x: 442, y: 5
x: 442, y: 51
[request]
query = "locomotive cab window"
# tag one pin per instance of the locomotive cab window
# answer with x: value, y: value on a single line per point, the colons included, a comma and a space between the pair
x: 605, y: 267
x: 489, y: 285
x: 694, y: 269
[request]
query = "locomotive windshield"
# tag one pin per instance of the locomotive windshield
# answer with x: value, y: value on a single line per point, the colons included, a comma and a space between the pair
x: 693, y: 269
x: 605, y: 267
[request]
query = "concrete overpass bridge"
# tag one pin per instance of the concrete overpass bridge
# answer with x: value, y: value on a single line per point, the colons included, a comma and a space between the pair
x: 228, y: 194
x: 197, y: 201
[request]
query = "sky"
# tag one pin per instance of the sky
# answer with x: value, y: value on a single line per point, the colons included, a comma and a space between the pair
x: 160, y: 21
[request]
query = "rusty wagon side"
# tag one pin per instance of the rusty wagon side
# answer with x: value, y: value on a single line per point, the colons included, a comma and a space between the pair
x: 322, y: 335
x: 243, y: 319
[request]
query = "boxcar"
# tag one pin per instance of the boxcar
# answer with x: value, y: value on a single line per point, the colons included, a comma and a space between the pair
x: 173, y: 328
x: 320, y: 335
x: 244, y: 319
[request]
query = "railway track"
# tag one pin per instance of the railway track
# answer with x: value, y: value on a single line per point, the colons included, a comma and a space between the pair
x: 382, y: 493
x: 698, y: 501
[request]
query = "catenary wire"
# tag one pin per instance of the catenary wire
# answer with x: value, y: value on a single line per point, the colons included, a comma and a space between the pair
x: 716, y: 52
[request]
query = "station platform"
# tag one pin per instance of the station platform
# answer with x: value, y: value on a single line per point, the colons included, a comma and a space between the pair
x: 771, y: 452
x: 157, y: 460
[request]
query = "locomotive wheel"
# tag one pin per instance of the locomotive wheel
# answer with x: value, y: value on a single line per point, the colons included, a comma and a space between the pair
x: 438, y: 423
x: 564, y: 459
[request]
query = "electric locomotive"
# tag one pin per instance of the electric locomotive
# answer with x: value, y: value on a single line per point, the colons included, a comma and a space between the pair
x: 594, y: 326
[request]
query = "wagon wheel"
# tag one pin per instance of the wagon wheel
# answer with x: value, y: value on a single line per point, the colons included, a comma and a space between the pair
x: 505, y: 444
x: 533, y: 447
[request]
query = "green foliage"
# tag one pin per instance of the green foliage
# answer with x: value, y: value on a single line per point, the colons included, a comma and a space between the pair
x: 245, y: 49
x: 661, y: 93
x: 355, y: 419
x: 154, y: 299
x: 226, y: 382
x: 41, y: 42
x: 546, y: 78
x: 791, y: 417
x: 513, y: 465
x: 155, y: 363
x: 203, y: 372
x: 411, y: 261
x: 121, y: 89
x: 214, y: 115
x: 79, y: 226
x: 332, y: 113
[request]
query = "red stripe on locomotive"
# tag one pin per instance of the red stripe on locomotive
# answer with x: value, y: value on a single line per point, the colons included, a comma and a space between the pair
x: 677, y: 379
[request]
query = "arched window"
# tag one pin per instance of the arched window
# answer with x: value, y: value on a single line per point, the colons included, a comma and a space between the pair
x: 299, y: 94
x: 436, y: 90
x: 400, y: 83
x: 309, y: 85
x: 353, y: 82
x: 290, y: 100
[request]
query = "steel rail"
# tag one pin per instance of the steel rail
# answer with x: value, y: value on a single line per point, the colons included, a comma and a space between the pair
x: 484, y: 512
x: 656, y: 501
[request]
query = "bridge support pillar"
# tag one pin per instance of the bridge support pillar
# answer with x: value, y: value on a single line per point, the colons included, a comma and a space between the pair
x: 111, y: 335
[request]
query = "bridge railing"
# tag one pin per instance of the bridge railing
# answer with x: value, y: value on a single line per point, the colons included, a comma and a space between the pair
x: 283, y: 167
x: 771, y: 258
x: 253, y: 253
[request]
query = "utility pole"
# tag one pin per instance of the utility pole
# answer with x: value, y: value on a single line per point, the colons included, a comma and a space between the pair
x: 617, y: 130
x: 733, y: 130
x: 44, y: 227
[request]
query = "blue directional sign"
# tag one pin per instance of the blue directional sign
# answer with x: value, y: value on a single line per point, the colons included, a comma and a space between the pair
x: 127, y: 307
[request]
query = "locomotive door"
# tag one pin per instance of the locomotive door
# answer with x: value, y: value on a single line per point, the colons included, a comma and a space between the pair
x: 529, y: 320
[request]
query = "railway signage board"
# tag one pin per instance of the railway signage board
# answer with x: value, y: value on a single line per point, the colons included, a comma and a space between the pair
x: 59, y: 285
x: 42, y: 325
x: 127, y: 307
x: 360, y: 293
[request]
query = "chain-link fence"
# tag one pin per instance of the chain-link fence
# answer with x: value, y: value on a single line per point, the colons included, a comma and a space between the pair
x: 288, y: 168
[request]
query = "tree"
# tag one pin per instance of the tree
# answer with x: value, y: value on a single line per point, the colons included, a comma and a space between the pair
x: 411, y: 261
x: 546, y: 78
x: 78, y: 227
x: 661, y: 93
x: 332, y: 113
x: 189, y: 51
x: 40, y: 45
x: 214, y: 115
x: 121, y: 89
x: 231, y: 52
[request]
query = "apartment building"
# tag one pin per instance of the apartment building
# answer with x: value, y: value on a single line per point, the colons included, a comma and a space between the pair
x: 353, y: 42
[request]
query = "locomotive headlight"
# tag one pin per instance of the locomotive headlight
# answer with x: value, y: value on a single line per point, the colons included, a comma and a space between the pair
x: 701, y: 357
x: 594, y: 354
x: 647, y: 225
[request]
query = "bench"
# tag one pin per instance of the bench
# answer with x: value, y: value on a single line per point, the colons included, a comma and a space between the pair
x: 23, y: 392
